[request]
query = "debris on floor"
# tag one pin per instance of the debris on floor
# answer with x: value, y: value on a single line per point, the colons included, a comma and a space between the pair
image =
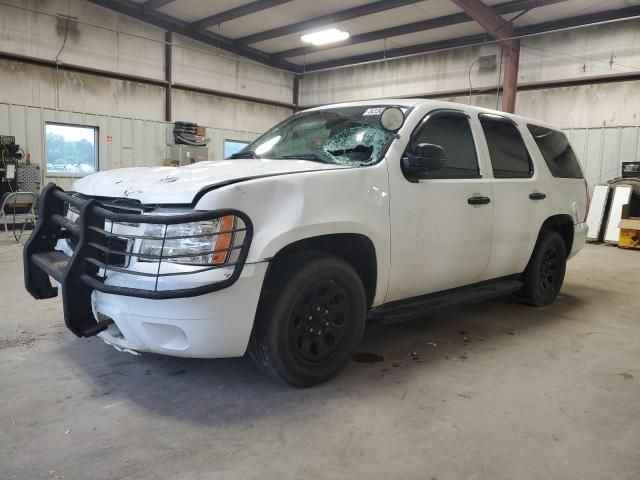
x: 367, y: 357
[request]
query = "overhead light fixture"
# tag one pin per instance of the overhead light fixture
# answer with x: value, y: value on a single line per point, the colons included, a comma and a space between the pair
x: 324, y: 37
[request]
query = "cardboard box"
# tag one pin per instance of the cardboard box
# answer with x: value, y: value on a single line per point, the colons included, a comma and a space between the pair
x: 201, y: 131
x: 171, y: 163
x: 629, y: 230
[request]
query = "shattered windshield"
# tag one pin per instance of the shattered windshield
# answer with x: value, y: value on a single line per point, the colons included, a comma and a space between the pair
x: 343, y: 136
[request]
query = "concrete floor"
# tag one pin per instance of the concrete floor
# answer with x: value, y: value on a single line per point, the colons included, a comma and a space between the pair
x: 495, y: 390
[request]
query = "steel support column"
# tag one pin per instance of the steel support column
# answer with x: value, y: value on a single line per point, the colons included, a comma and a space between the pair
x: 501, y: 30
x: 511, y: 55
x: 168, y: 75
x: 296, y: 93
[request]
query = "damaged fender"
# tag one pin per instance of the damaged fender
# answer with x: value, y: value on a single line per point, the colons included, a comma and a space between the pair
x: 288, y: 208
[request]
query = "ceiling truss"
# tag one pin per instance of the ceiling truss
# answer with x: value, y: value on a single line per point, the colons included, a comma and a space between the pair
x: 197, y: 30
x: 538, y: 28
x: 421, y: 26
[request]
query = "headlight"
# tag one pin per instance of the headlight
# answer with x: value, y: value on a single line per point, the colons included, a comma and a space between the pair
x: 196, y: 243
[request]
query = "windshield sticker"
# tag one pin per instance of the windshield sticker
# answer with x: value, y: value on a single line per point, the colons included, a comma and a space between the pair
x: 373, y: 111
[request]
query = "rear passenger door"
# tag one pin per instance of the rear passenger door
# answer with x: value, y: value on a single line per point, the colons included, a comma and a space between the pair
x: 518, y: 193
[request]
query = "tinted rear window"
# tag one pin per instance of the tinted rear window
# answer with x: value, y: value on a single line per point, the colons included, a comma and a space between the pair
x: 557, y: 152
x: 509, y: 155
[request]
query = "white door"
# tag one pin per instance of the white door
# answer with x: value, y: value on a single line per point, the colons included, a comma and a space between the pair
x: 440, y: 224
x: 519, y: 193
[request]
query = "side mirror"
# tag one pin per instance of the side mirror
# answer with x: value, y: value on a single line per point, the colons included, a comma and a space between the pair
x: 423, y: 159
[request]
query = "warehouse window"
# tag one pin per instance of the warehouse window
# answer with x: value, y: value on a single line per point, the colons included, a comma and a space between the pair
x: 556, y: 151
x: 509, y: 155
x: 233, y: 146
x: 71, y: 149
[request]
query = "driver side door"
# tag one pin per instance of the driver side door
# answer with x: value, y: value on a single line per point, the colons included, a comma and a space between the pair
x: 441, y: 222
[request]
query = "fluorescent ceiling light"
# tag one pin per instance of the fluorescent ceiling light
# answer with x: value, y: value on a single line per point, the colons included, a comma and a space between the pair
x: 324, y: 37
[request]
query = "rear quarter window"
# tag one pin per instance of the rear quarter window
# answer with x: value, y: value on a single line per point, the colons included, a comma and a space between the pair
x: 556, y: 151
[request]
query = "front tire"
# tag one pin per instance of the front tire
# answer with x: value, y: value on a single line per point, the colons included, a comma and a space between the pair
x: 310, y: 319
x: 545, y: 271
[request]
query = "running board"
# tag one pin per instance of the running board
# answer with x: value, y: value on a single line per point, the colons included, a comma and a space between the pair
x: 412, y: 308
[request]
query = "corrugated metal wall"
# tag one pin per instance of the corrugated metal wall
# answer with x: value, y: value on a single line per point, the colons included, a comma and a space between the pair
x: 137, y: 143
x: 134, y: 142
x: 603, y: 149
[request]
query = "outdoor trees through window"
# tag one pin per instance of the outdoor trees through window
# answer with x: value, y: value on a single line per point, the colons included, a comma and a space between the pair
x: 71, y: 149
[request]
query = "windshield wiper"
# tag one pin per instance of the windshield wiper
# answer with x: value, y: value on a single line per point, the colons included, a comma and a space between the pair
x: 311, y: 156
x: 247, y: 154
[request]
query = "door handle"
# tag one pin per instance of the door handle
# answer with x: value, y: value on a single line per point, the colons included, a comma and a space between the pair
x: 478, y: 200
x: 537, y: 196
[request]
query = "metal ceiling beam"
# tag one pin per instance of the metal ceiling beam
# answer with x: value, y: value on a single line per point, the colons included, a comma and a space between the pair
x: 569, y: 22
x: 241, y: 11
x: 501, y: 30
x: 169, y: 23
x: 325, y: 20
x: 430, y: 24
x: 543, y: 27
x: 486, y: 18
x: 155, y: 4
x: 397, y: 52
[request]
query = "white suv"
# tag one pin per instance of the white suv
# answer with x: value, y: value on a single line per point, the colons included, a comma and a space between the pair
x: 340, y: 213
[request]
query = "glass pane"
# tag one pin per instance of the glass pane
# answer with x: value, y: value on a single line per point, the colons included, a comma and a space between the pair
x: 71, y: 149
x: 344, y: 136
x: 452, y: 133
x: 233, y: 146
x: 509, y: 155
x: 557, y: 152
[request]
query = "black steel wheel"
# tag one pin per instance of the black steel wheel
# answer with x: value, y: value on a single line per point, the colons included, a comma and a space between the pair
x: 319, y: 324
x: 310, y: 318
x: 550, y: 269
x: 544, y: 274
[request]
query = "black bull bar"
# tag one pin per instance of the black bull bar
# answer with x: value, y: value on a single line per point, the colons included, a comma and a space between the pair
x: 97, y: 250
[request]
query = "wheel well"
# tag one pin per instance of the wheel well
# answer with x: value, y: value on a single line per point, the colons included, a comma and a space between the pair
x: 563, y: 224
x: 355, y: 249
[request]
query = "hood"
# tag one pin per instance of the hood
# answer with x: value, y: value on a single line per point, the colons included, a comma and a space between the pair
x: 179, y: 185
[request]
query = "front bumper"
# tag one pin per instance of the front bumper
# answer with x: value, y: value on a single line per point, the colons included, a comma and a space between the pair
x: 96, y: 265
x: 213, y: 325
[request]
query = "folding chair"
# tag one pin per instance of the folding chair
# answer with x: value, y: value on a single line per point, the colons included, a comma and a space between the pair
x: 12, y: 203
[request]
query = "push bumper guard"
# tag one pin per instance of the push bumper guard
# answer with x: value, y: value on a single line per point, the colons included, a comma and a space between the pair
x: 98, y: 251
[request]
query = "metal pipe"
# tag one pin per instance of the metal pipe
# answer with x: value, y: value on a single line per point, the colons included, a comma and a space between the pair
x: 168, y: 75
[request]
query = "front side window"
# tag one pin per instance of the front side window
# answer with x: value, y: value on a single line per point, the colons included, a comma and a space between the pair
x: 453, y: 134
x: 71, y: 149
x: 343, y: 136
x: 509, y: 155
x: 556, y: 151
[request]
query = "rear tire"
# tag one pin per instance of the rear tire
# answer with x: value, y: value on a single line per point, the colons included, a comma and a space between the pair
x: 545, y: 271
x: 310, y: 318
